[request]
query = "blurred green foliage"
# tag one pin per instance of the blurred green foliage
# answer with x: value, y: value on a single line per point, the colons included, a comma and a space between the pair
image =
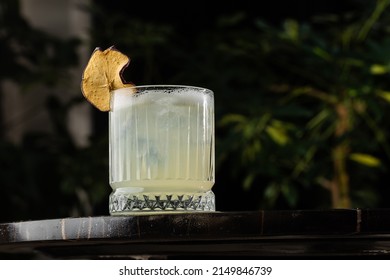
x: 323, y: 122
x: 301, y: 106
x: 302, y: 109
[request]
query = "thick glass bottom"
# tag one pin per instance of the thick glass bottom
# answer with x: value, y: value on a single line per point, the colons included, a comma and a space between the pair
x: 122, y: 203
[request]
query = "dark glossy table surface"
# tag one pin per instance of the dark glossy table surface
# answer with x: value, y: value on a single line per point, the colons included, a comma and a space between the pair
x: 348, y: 233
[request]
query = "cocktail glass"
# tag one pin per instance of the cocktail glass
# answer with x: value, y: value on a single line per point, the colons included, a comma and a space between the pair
x: 161, y: 147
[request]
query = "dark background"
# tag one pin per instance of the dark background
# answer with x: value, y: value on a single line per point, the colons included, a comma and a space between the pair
x: 246, y: 52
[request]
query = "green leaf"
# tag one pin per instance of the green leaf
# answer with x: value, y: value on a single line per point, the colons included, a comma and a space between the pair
x: 377, y: 69
x: 319, y: 119
x: 384, y: 94
x: 291, y: 28
x: 365, y: 159
x: 232, y: 118
x: 322, y: 53
x: 248, y: 181
x: 290, y: 194
x: 271, y: 193
x: 278, y: 135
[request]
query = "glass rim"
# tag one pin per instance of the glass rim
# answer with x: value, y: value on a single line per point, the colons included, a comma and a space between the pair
x: 167, y: 86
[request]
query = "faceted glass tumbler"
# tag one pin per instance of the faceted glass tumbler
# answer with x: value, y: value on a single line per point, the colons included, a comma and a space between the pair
x: 161, y: 150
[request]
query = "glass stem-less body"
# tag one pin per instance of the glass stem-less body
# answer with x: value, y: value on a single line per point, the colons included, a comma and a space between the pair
x: 162, y: 149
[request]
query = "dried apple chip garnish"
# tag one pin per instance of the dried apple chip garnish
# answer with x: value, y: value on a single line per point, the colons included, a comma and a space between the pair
x: 103, y: 74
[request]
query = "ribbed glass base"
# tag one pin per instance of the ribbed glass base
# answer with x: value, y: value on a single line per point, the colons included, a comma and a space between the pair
x: 138, y: 203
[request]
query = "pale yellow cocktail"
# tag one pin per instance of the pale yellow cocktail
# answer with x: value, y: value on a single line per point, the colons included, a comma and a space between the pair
x: 161, y: 149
